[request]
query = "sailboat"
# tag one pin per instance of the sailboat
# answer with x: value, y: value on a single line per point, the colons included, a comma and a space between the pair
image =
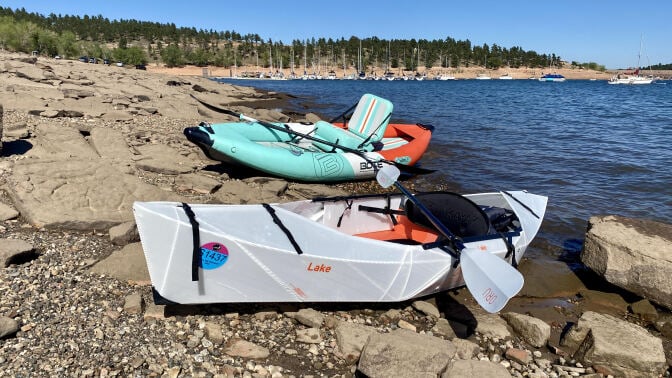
x: 634, y: 78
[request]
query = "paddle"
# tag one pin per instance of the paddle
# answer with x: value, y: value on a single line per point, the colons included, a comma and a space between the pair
x: 491, y: 280
x: 406, y: 168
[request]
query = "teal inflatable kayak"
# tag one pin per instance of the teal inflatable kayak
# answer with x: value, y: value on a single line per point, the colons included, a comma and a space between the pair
x: 316, y: 152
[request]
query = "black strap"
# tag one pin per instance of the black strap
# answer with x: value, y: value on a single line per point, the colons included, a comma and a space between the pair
x: 521, y: 203
x: 284, y: 229
x: 344, y: 113
x: 347, y: 207
x: 385, y: 210
x: 511, y: 250
x: 379, y: 210
x: 374, y: 131
x: 196, y: 254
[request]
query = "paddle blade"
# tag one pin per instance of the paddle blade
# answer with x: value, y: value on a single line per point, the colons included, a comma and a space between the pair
x: 491, y: 280
x: 387, y: 175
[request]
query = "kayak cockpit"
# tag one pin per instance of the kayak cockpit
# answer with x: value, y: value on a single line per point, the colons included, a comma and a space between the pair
x: 389, y: 217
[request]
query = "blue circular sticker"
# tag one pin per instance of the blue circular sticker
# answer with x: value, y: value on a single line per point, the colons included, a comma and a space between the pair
x: 213, y: 255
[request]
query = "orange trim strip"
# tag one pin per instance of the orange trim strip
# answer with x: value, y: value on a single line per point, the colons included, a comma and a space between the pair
x: 362, y: 127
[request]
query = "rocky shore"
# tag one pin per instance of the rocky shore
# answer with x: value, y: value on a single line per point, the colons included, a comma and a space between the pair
x: 81, y: 142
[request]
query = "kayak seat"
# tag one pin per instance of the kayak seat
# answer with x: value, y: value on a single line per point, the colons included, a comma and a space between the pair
x: 364, y: 130
x: 459, y: 214
x: 404, y: 232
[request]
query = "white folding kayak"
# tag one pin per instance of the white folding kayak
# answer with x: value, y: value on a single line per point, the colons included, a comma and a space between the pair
x: 365, y: 248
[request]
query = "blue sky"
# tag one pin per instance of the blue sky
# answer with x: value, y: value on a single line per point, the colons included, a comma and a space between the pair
x: 605, y: 32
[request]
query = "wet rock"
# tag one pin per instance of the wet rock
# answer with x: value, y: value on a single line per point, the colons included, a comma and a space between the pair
x: 644, y: 310
x: 634, y: 254
x: 549, y: 279
x: 403, y: 353
x: 604, y: 302
x: 534, y: 331
x: 624, y: 348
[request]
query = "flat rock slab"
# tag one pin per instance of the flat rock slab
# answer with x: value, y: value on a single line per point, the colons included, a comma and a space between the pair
x: 127, y: 264
x: 54, y: 141
x: 163, y: 159
x: 78, y: 194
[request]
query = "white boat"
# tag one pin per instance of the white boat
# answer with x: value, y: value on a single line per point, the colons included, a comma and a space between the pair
x: 365, y: 248
x: 631, y: 79
x: 446, y: 77
x: 506, y: 76
x: 634, y: 78
x: 483, y: 77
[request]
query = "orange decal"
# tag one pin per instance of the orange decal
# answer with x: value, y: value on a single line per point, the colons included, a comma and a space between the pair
x: 319, y: 268
x: 299, y: 292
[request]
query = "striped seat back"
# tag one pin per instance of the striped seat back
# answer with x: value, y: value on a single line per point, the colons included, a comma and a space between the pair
x: 370, y: 117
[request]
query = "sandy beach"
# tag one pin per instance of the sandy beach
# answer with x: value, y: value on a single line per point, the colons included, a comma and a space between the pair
x: 82, y: 142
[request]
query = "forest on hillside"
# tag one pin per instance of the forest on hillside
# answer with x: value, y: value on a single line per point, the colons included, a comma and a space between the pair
x: 141, y: 42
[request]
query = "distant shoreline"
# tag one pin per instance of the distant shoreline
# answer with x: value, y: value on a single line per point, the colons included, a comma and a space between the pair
x: 458, y: 73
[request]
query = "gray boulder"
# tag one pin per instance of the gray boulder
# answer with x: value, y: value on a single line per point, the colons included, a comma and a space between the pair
x: 404, y: 353
x: 616, y: 346
x: 351, y: 339
x: 633, y: 254
x: 534, y: 331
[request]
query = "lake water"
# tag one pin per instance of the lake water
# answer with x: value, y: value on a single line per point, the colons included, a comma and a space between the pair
x: 592, y: 148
